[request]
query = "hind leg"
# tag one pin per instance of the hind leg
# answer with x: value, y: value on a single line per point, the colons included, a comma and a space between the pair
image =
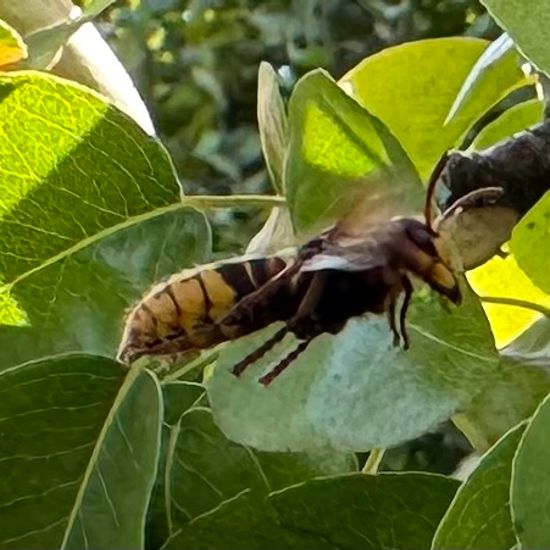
x: 267, y: 378
x: 258, y: 353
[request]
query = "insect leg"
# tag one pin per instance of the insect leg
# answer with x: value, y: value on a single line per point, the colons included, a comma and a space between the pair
x: 478, y: 198
x: 391, y: 321
x: 306, y: 306
x: 408, y: 290
x: 267, y: 378
x: 258, y: 353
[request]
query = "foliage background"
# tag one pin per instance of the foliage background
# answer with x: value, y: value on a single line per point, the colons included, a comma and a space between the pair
x: 197, y: 72
x: 196, y: 64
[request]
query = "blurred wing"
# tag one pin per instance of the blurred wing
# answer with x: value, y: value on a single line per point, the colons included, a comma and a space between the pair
x: 346, y: 252
x: 377, y: 199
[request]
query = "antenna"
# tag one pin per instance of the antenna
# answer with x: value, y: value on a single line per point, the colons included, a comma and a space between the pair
x: 432, y: 182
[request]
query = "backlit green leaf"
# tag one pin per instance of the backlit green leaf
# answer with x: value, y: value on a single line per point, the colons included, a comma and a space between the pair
x: 517, y: 118
x: 529, y: 237
x: 12, y: 47
x: 337, y: 152
x: 414, y: 107
x: 72, y: 166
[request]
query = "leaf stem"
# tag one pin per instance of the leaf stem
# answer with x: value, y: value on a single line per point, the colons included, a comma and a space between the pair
x: 204, y: 202
x: 516, y: 303
x: 373, y: 461
x: 200, y: 362
x: 472, y: 434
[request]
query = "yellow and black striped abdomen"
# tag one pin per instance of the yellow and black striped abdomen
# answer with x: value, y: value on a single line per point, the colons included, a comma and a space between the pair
x: 183, y: 313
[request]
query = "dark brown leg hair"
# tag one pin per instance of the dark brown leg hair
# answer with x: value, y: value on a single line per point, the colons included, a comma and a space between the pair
x: 432, y: 182
x: 267, y: 378
x: 258, y: 353
x: 391, y: 321
x: 408, y: 290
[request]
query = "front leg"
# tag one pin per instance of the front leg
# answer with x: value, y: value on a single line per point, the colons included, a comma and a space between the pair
x: 408, y: 290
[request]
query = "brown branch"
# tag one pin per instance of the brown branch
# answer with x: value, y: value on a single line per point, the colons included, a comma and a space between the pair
x: 520, y: 165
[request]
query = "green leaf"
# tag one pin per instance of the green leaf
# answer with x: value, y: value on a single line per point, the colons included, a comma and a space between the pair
x: 533, y: 346
x: 45, y: 44
x: 12, y: 47
x: 244, y: 521
x: 530, y: 498
x: 517, y: 118
x: 345, y: 512
x: 495, y: 53
x: 72, y: 166
x: 415, y: 108
x: 355, y: 390
x: 94, y: 7
x: 110, y: 508
x: 337, y: 150
x: 276, y: 234
x: 479, y: 516
x: 272, y: 123
x: 77, y: 301
x: 512, y: 397
x: 204, y: 468
x: 529, y: 237
x: 51, y: 412
x: 526, y: 21
x: 177, y: 398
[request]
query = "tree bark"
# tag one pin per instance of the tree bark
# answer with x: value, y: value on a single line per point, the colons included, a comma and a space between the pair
x: 520, y: 165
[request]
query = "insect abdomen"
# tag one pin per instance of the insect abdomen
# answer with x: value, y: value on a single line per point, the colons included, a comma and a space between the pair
x: 182, y: 314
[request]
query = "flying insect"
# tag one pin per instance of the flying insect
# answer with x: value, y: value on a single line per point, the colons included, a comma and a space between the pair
x: 364, y: 264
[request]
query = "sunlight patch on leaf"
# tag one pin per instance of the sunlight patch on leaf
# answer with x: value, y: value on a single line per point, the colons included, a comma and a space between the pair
x: 503, y: 278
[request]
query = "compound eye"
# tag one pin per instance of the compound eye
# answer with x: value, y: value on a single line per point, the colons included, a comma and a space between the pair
x: 423, y: 237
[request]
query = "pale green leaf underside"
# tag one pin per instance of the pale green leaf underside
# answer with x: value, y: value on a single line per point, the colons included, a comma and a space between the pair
x: 337, y: 153
x: 513, y: 120
x: 355, y: 390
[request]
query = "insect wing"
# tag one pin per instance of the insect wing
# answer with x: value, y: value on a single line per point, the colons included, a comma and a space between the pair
x: 376, y: 200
